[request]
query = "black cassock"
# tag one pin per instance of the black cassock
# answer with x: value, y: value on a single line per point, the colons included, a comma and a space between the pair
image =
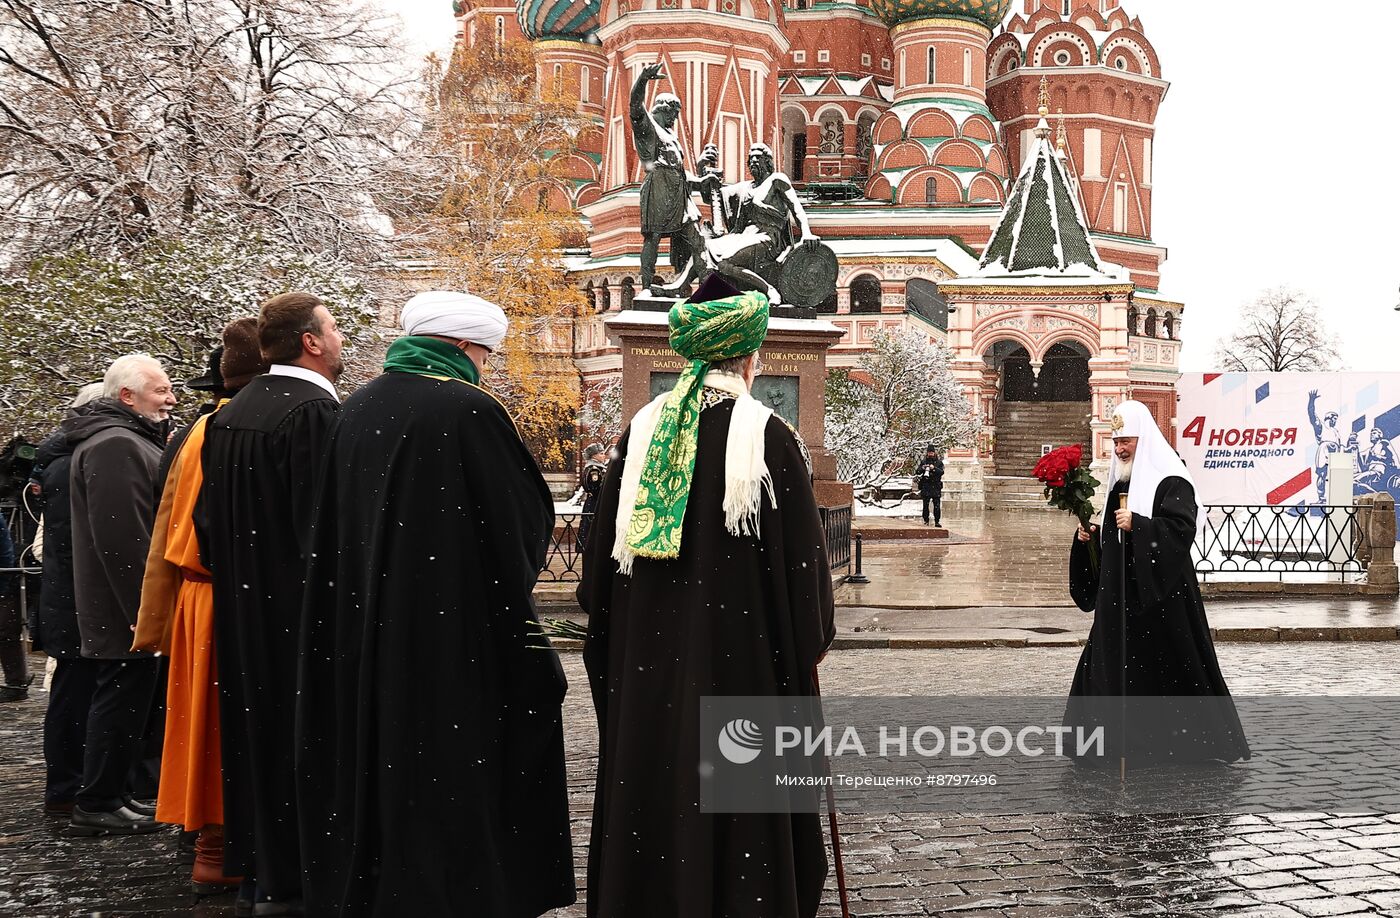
x: 731, y: 616
x: 262, y: 455
x: 1170, y: 653
x: 431, y: 770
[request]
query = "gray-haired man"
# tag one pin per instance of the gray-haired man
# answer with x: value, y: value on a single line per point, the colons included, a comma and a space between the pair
x: 112, y: 489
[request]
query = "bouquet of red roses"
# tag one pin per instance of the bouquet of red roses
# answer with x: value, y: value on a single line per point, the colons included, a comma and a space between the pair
x: 1070, y: 487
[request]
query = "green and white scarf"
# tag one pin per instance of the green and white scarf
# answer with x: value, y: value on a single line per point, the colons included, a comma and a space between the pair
x: 656, y: 481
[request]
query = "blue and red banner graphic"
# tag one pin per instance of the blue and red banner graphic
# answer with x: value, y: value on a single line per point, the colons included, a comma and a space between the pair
x: 1264, y: 438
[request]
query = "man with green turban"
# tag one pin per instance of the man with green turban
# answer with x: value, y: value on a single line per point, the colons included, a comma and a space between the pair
x: 706, y: 575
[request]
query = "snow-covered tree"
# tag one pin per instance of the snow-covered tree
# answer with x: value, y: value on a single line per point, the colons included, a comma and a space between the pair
x: 70, y: 314
x: 128, y: 120
x: 600, y: 419
x: 1280, y: 331
x: 901, y: 397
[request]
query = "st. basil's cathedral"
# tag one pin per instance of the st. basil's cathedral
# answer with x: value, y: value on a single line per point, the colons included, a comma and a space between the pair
x: 983, y: 174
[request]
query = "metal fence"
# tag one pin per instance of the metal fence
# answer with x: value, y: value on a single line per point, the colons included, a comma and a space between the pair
x: 836, y: 521
x: 564, y: 564
x: 565, y: 561
x: 1251, y: 539
x: 17, y: 559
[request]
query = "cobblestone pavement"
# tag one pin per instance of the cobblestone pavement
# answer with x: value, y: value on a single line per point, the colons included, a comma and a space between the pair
x: 1280, y: 865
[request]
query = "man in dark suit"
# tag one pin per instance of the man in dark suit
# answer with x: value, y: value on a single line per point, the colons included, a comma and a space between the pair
x: 262, y: 458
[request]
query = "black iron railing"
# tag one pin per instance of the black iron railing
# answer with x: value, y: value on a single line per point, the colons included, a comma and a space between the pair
x: 18, y: 566
x: 565, y: 561
x: 1266, y: 539
x: 836, y: 521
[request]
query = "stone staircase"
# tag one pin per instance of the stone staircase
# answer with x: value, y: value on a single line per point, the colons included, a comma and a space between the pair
x: 1023, y: 428
x: 1013, y: 492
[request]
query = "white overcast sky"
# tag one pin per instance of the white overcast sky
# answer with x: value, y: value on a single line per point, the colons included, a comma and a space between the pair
x: 1275, y: 161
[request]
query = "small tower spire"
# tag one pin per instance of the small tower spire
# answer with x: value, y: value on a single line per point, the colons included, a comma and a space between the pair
x: 1042, y: 128
x: 1060, y: 140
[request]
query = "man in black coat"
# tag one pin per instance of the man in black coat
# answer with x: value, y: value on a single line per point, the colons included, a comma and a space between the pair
x: 55, y: 629
x: 262, y: 460
x: 715, y: 584
x: 929, y: 477
x: 431, y: 772
x: 1150, y: 636
x: 116, y: 447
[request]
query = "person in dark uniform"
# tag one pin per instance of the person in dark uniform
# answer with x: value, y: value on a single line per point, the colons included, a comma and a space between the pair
x: 591, y: 481
x: 929, y: 477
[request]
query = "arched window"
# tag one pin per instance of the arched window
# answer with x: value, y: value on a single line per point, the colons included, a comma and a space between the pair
x: 500, y: 31
x: 1150, y: 327
x: 865, y: 294
x: 542, y: 200
x: 931, y: 189
x: 605, y: 304
x: 1133, y: 320
x: 583, y: 78
x: 1168, y: 326
x: 627, y: 293
x: 932, y: 64
x: 558, y: 78
x: 967, y: 67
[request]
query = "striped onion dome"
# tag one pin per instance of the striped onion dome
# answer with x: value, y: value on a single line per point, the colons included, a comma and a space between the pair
x: 569, y: 19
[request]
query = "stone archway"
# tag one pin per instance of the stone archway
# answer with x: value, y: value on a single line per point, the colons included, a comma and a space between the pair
x: 1042, y: 402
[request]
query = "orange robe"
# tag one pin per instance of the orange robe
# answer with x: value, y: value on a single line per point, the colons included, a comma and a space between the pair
x: 177, y: 618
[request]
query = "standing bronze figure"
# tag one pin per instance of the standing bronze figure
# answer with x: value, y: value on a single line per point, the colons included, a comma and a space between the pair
x: 667, y: 207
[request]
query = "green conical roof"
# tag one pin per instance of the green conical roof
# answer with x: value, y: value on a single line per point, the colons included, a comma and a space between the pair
x: 1042, y: 230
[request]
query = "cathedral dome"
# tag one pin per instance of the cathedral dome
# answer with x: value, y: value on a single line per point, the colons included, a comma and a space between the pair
x: 569, y: 19
x: 987, y: 12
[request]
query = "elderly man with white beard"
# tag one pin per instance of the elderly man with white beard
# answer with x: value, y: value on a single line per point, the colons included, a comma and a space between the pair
x: 1159, y: 643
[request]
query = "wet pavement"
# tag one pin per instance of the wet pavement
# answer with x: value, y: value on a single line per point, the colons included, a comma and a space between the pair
x: 1001, y: 579
x: 899, y: 864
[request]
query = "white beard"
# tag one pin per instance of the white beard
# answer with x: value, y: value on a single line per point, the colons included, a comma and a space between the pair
x: 1125, y: 471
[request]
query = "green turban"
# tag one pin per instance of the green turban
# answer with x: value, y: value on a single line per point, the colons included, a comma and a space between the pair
x: 706, y: 333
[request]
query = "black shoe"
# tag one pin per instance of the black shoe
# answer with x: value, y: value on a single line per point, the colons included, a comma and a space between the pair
x: 185, y: 852
x: 120, y: 821
x: 243, y: 905
x: 14, y: 692
x: 62, y: 808
x: 141, y: 807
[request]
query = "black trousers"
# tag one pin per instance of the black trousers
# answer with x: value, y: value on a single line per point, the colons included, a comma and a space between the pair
x: 12, y: 659
x: 116, y: 731
x: 937, y: 500
x: 65, y: 727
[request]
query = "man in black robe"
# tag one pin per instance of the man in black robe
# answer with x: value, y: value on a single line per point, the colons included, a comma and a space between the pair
x: 431, y: 768
x: 719, y: 586
x: 262, y: 456
x: 1169, y: 651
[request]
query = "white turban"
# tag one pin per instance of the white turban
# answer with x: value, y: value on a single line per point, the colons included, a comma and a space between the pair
x: 1153, y: 461
x: 455, y: 315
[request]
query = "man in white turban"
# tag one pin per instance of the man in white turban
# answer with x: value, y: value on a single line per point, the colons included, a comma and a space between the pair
x: 1150, y: 635
x: 430, y: 718
x: 458, y: 316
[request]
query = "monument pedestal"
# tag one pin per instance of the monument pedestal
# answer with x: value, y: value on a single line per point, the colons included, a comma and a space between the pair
x: 793, y: 381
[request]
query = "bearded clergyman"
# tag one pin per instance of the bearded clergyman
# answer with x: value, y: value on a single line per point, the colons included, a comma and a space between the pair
x: 1150, y: 635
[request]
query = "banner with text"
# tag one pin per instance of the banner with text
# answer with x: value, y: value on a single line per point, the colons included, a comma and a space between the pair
x: 1263, y: 438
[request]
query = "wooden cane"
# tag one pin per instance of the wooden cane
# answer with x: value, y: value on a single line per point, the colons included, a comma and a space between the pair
x: 1123, y: 646
x: 831, y: 817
